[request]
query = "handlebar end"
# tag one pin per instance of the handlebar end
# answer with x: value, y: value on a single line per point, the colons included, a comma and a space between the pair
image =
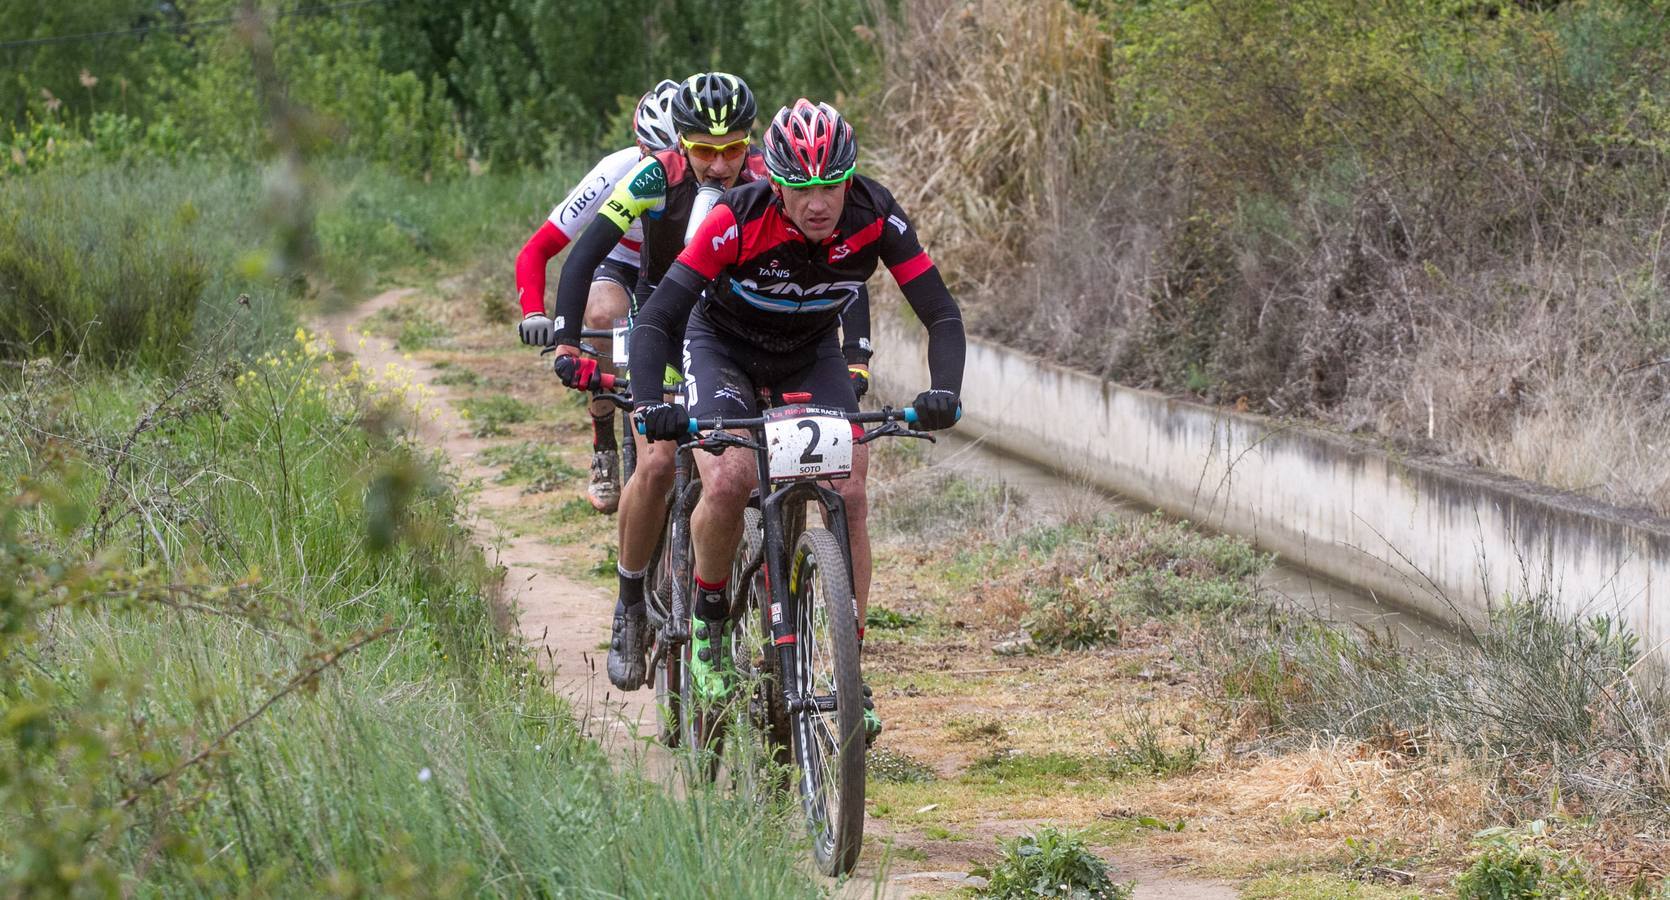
x: 909, y: 414
x: 694, y: 427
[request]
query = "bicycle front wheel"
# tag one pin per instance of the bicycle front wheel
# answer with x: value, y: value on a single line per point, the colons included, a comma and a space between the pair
x: 828, y: 730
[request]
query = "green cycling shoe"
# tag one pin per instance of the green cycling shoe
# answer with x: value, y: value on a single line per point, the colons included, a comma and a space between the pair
x: 872, y: 719
x: 711, y: 672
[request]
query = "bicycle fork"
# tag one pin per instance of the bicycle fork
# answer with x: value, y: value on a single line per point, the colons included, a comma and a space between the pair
x: 798, y: 693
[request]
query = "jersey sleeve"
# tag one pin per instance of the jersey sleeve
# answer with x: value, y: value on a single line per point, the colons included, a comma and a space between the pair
x: 716, y: 244
x: 582, y: 204
x: 641, y: 189
x: 901, y: 251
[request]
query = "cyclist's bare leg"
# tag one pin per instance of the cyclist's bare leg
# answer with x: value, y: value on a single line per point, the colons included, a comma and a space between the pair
x: 716, y: 523
x: 606, y: 302
x: 643, y: 503
x: 857, y: 502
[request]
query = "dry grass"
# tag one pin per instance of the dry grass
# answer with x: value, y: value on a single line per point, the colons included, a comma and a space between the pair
x: 1465, y: 271
x: 1307, y: 804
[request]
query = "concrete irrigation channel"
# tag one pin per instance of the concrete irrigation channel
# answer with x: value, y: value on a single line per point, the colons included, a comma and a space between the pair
x: 1359, y: 530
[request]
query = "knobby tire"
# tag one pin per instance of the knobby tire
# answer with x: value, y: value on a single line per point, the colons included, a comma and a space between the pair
x: 828, y: 748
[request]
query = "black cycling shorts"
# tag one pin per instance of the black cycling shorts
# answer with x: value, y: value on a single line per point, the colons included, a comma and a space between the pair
x: 618, y: 272
x: 722, y: 375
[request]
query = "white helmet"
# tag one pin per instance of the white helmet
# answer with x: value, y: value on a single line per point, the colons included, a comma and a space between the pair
x: 652, y: 124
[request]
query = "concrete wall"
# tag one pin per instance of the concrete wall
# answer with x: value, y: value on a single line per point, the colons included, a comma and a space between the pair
x: 1437, y: 538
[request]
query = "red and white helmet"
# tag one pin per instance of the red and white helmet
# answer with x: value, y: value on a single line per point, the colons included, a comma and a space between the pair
x: 809, y: 143
x: 652, y: 122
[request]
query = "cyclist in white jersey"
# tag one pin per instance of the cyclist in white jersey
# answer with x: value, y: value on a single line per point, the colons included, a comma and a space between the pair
x: 612, y: 282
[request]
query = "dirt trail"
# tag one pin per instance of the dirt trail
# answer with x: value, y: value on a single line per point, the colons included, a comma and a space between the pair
x: 567, y: 621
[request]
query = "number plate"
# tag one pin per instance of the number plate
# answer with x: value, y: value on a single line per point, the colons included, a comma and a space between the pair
x: 808, y: 442
x: 617, y: 349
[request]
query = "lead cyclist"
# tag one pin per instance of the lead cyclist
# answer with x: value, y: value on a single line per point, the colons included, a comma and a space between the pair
x: 763, y: 283
x: 612, y: 281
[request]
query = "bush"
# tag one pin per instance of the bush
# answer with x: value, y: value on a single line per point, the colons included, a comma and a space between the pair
x: 1050, y: 863
x: 1507, y: 870
x: 112, y: 279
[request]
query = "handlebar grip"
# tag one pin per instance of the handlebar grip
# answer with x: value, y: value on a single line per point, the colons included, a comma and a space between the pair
x: 607, y: 379
x: 694, y: 429
x: 909, y: 414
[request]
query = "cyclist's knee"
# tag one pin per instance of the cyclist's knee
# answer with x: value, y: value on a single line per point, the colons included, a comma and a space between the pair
x: 729, y: 486
x: 598, y: 316
x: 855, y: 496
x: 605, y: 303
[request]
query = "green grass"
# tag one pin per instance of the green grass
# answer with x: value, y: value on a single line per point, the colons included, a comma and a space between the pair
x: 532, y: 463
x: 494, y: 415
x: 1320, y: 887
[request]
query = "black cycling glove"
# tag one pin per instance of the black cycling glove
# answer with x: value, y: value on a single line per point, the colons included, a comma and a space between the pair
x: 579, y: 373
x: 937, y: 409
x: 664, y: 421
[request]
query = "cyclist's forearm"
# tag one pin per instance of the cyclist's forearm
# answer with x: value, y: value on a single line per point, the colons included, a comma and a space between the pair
x: 593, y: 245
x: 652, y: 330
x: 855, y: 328
x: 536, y: 254
x: 931, y: 300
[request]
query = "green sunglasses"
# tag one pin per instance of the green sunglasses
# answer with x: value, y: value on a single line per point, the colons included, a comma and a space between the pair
x: 814, y: 182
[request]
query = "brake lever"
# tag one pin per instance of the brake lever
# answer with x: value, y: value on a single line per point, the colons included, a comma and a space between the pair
x: 621, y: 400
x: 894, y: 429
x: 716, y: 441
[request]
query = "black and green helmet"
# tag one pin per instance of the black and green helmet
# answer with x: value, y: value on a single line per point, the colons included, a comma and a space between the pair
x: 713, y: 103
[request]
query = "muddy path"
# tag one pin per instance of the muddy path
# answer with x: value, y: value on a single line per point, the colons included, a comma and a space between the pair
x: 552, y: 548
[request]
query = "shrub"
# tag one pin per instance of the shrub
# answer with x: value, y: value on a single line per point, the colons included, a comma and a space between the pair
x: 106, y: 278
x: 1509, y: 870
x: 1050, y: 863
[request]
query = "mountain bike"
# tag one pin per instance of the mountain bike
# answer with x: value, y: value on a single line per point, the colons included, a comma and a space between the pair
x: 794, y: 638
x: 666, y: 596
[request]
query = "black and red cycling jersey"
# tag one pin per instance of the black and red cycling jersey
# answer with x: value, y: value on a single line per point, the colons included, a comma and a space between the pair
x: 760, y: 281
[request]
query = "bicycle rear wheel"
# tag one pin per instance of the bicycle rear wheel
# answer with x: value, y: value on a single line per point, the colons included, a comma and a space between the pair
x: 828, y: 742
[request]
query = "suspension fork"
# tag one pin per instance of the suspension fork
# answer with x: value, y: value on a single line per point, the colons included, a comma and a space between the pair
x: 784, y: 612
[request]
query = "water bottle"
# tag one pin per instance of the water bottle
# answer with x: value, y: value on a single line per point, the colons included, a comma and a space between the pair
x: 706, y: 195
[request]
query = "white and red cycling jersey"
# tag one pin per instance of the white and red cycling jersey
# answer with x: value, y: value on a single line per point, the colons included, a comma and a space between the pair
x: 568, y: 220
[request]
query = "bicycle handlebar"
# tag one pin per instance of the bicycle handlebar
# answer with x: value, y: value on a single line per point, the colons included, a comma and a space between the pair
x: 906, y: 415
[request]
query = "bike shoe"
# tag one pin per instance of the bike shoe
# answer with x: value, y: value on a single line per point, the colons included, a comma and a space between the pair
x: 604, y: 490
x: 710, y: 659
x: 627, y: 641
x: 872, y: 719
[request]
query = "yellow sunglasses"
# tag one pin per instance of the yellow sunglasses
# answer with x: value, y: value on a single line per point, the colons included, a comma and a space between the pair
x: 711, y: 152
